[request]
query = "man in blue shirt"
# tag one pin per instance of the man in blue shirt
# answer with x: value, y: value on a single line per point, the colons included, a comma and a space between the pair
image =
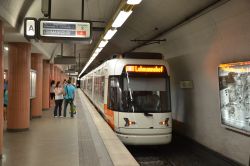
x: 69, y: 95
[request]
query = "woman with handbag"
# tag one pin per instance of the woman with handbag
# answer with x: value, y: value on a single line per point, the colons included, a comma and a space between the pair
x: 58, y: 99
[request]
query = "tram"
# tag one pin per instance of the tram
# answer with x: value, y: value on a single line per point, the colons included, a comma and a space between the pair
x: 132, y: 92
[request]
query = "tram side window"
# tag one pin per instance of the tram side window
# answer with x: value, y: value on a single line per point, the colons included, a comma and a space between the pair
x: 89, y: 86
x: 114, y: 93
x: 85, y: 84
x: 102, y: 88
x: 99, y: 88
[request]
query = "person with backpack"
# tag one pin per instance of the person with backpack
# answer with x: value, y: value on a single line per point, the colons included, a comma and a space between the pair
x: 69, y: 95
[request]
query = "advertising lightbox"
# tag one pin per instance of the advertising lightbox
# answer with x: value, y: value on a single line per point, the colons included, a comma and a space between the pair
x: 234, y: 85
x: 32, y: 84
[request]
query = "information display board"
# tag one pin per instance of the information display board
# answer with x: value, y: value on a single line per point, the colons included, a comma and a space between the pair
x: 234, y: 85
x: 32, y: 84
x: 65, y: 30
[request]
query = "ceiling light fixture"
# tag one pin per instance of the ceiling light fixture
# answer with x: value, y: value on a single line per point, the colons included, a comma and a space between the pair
x: 95, y: 54
x: 98, y: 50
x: 124, y: 11
x: 103, y: 43
x: 133, y: 2
x: 110, y: 34
x: 121, y: 18
x: 6, y: 48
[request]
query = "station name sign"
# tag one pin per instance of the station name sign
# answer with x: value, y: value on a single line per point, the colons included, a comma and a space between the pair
x: 57, y: 30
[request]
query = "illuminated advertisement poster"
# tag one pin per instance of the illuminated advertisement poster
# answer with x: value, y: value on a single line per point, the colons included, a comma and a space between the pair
x: 234, y: 84
x: 32, y: 84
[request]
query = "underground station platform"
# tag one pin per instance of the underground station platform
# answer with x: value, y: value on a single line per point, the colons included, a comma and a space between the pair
x: 87, y: 140
x: 143, y: 82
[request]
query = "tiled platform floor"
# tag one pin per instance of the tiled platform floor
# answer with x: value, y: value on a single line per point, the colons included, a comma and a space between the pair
x: 57, y: 142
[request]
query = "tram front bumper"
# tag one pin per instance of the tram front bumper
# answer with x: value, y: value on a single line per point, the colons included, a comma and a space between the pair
x: 145, y: 139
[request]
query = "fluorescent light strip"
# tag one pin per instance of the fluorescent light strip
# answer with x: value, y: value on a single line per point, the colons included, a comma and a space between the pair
x: 110, y: 34
x: 6, y: 48
x: 133, y: 2
x: 98, y: 50
x: 121, y: 18
x: 118, y: 22
x: 103, y: 43
x: 95, y: 54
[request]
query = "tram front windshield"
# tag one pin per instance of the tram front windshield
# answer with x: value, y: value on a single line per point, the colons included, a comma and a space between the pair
x: 145, y: 94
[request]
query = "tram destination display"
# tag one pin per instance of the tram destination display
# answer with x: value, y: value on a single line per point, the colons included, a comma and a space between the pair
x: 64, y: 30
x: 234, y: 85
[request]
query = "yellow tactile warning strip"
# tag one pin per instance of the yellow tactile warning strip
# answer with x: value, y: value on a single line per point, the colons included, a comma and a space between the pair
x: 92, y: 150
x: 119, y: 154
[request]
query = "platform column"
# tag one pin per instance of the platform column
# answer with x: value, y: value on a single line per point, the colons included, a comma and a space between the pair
x: 55, y: 73
x: 46, y: 84
x: 61, y: 77
x: 1, y: 88
x: 18, y: 117
x: 52, y: 75
x: 58, y: 73
x: 36, y: 103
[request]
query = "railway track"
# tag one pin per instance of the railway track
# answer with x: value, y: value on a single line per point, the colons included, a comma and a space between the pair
x: 179, y: 153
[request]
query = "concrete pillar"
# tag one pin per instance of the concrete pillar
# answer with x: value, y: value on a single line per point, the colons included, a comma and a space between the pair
x: 61, y: 78
x: 18, y: 117
x: 55, y: 73
x: 36, y: 103
x: 52, y: 75
x: 46, y: 84
x: 1, y: 88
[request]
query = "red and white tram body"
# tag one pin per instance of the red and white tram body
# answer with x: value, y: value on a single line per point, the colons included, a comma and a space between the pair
x: 133, y: 95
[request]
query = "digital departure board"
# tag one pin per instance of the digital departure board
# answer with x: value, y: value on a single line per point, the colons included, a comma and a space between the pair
x: 73, y: 30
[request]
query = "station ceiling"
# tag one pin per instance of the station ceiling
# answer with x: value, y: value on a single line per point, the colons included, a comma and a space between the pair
x: 148, y: 20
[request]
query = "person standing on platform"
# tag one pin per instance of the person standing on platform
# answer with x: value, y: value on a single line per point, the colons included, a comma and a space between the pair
x: 65, y: 83
x: 5, y: 103
x: 5, y: 84
x: 58, y: 99
x: 52, y: 90
x: 69, y: 95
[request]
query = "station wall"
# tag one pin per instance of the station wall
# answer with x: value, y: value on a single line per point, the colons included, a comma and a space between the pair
x: 194, y: 52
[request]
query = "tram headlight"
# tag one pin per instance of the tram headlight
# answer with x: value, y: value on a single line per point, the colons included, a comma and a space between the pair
x: 129, y: 122
x: 165, y: 122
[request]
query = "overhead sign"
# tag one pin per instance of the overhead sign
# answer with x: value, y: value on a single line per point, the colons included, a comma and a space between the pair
x: 65, y: 30
x: 65, y: 60
x: 30, y: 27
